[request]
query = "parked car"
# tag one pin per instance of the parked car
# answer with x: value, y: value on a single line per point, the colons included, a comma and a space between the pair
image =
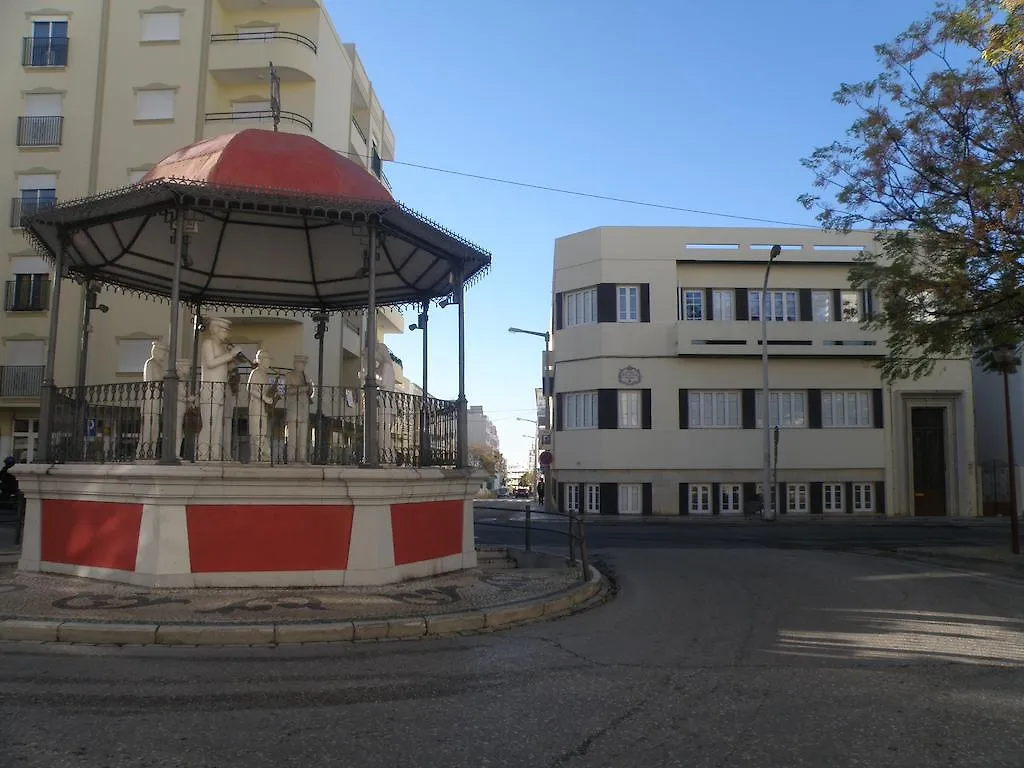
x: 522, y: 492
x: 501, y: 493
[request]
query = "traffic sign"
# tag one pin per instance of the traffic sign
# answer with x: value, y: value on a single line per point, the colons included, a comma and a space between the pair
x: 90, y: 428
x: 546, y: 458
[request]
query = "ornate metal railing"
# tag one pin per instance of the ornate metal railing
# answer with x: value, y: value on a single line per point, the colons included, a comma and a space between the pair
x: 42, y: 131
x: 260, y: 37
x: 20, y: 380
x: 28, y: 206
x: 260, y: 115
x: 261, y: 423
x: 44, y: 52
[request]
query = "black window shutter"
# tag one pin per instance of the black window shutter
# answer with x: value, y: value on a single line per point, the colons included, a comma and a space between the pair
x: 684, y: 409
x: 869, y: 308
x: 814, y: 408
x: 806, y: 308
x: 879, y: 497
x: 780, y: 500
x: 645, y: 302
x: 877, y: 412
x: 848, y: 497
x: 741, y: 305
x: 709, y: 306
x: 607, y: 303
x: 607, y: 409
x: 684, y: 498
x: 749, y: 495
x: 817, y: 502
x: 581, y: 500
x: 558, y: 311
x: 609, y: 498
x: 748, y: 409
x: 648, y: 500
x: 645, y: 408
x: 560, y: 489
x: 559, y: 407
x: 837, y: 305
x: 716, y: 501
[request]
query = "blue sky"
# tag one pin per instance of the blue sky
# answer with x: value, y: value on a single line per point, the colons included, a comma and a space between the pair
x: 702, y: 105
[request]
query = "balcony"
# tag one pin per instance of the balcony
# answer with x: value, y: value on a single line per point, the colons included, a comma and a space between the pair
x: 44, y: 52
x: 261, y: 116
x: 40, y: 131
x: 242, y: 58
x: 21, y: 380
x: 27, y: 293
x: 22, y: 207
x: 711, y: 338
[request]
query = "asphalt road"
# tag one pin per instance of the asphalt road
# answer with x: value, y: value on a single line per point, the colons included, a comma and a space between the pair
x: 708, y: 656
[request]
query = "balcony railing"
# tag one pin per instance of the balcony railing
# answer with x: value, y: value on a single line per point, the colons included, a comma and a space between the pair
x: 262, y: 115
x: 27, y: 293
x: 44, y: 52
x: 40, y: 131
x: 22, y: 207
x: 359, y: 130
x: 258, y: 37
x: 262, y: 424
x: 21, y: 380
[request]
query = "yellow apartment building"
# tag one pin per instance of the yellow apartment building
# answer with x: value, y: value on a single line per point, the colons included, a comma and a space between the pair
x: 658, y: 379
x: 101, y: 90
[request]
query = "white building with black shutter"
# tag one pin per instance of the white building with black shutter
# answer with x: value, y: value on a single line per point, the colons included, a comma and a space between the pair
x: 657, y: 381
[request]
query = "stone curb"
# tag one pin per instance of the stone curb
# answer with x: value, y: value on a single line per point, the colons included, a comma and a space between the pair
x: 576, y: 598
x: 952, y: 559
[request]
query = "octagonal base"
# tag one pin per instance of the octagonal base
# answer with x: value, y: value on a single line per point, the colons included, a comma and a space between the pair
x: 220, y: 525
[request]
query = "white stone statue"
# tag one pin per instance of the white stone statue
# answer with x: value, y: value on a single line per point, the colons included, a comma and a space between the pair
x: 185, y: 400
x: 387, y: 406
x: 153, y: 373
x: 262, y: 399
x: 298, y: 393
x: 385, y: 369
x: 217, y: 357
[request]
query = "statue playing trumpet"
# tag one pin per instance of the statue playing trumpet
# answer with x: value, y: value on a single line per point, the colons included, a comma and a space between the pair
x: 263, y: 397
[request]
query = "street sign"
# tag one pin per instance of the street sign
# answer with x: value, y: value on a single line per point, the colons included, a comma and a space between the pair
x: 546, y: 458
x: 90, y: 428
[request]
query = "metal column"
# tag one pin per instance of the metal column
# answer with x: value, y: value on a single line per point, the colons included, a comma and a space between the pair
x: 169, y: 396
x: 463, y: 436
x: 46, y: 395
x: 371, y: 457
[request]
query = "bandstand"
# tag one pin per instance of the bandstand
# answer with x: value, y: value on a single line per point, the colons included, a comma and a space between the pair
x: 372, y: 487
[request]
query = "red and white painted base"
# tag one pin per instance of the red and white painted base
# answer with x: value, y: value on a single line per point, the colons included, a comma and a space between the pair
x: 230, y: 525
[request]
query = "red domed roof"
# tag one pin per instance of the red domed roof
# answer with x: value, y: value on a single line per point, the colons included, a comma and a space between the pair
x: 269, y: 160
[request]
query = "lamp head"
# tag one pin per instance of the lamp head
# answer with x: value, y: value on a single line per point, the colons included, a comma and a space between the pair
x: 775, y: 251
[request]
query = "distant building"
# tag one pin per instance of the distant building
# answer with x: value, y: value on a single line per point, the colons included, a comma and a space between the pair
x: 482, y: 432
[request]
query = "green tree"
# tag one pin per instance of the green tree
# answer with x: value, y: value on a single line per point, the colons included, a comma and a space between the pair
x: 527, y: 479
x: 933, y: 162
x: 488, y: 459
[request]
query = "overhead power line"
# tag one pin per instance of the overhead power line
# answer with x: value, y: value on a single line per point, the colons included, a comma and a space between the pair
x: 587, y: 195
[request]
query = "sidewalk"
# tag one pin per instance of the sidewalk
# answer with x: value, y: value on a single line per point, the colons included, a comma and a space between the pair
x: 965, y: 556
x: 45, y: 607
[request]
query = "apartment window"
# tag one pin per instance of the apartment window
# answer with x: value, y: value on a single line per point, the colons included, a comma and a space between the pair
x: 775, y: 495
x: 832, y: 497
x: 376, y: 166
x: 787, y: 409
x: 48, y: 46
x: 629, y: 303
x: 36, y: 192
x: 846, y: 409
x: 161, y: 27
x: 155, y: 104
x: 572, y: 497
x: 24, y: 352
x: 691, y: 304
x: 132, y: 354
x: 629, y: 409
x: 863, y: 497
x: 580, y: 307
x: 28, y: 290
x: 580, y: 410
x: 630, y: 499
x: 821, y: 306
x: 721, y: 305
x: 781, y: 306
x: 25, y: 440
x: 592, y: 498
x: 714, y: 409
x: 730, y: 498
x: 700, y: 499
x: 796, y: 498
x: 41, y: 123
x: 851, y: 303
x: 250, y: 110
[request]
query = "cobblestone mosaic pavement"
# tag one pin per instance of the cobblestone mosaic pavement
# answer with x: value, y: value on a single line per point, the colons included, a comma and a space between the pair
x: 50, y: 597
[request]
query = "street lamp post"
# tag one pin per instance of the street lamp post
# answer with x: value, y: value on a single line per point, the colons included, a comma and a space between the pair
x: 547, y: 407
x: 533, y: 455
x: 90, y: 303
x: 1006, y: 358
x: 766, y: 504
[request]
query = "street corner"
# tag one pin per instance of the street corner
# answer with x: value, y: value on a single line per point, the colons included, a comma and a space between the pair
x: 64, y: 609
